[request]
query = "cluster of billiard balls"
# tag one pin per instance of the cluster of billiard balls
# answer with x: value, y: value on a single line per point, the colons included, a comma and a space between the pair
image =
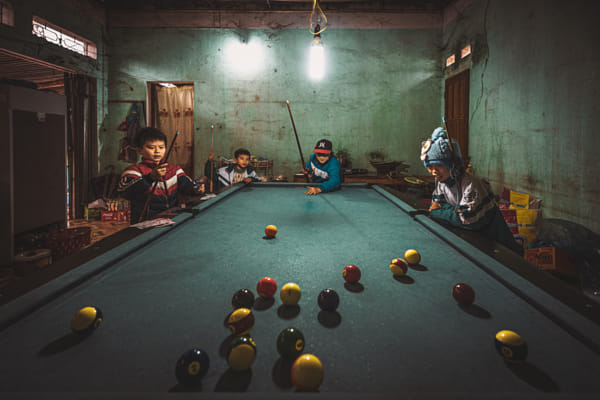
x: 509, y: 344
x: 462, y: 293
x: 307, y: 369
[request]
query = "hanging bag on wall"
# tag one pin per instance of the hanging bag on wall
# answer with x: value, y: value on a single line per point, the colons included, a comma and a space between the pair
x: 131, y: 125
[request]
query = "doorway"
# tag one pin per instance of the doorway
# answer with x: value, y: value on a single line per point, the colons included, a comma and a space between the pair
x: 171, y: 109
x: 456, y: 109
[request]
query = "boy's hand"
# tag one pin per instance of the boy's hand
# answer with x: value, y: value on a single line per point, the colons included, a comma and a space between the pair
x: 211, y: 156
x: 247, y: 180
x: 306, y: 172
x: 158, y: 172
x: 199, y: 189
x: 313, y: 190
x: 434, y: 206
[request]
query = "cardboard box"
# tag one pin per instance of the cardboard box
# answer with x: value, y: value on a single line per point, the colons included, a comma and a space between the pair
x: 554, y: 259
x: 91, y: 214
x: 118, y: 216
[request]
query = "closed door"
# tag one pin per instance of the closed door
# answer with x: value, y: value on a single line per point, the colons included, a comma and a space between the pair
x: 456, y: 99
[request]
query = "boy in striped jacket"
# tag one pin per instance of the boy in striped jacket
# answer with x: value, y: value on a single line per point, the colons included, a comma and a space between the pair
x: 137, y: 180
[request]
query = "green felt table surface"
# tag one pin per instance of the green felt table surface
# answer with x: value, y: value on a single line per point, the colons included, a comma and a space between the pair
x: 170, y: 290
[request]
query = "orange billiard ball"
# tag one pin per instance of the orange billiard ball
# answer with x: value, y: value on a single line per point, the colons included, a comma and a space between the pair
x: 271, y: 231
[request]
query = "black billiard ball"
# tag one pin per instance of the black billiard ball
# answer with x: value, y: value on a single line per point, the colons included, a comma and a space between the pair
x: 290, y: 343
x: 328, y: 300
x: 463, y: 294
x: 191, y: 367
x: 243, y: 298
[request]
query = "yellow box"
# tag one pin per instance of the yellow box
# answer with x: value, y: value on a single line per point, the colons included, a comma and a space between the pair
x: 91, y: 214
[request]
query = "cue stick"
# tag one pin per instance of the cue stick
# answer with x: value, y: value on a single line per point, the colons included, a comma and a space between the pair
x: 449, y: 142
x: 297, y: 141
x: 145, y: 210
x: 212, y: 162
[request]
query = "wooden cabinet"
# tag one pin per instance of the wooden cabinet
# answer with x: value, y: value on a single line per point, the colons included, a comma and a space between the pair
x: 32, y: 163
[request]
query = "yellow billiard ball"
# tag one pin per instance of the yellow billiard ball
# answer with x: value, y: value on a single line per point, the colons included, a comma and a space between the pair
x: 241, y: 353
x: 307, y: 372
x: 86, y: 320
x: 412, y: 257
x: 290, y: 294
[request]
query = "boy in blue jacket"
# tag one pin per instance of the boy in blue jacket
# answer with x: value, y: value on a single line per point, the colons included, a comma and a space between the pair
x: 323, y: 168
x: 461, y: 199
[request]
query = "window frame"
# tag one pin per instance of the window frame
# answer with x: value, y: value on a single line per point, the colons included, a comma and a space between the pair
x: 63, y: 38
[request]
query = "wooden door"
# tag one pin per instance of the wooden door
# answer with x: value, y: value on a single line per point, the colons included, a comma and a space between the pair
x: 456, y: 107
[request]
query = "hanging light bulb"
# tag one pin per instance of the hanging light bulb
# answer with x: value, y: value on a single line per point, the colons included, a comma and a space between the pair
x: 316, y: 62
x: 316, y: 66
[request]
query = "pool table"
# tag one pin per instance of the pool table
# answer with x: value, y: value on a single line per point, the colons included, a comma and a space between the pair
x: 170, y: 289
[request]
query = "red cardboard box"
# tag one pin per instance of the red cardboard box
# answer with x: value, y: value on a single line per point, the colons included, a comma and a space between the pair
x: 119, y: 216
x: 554, y: 259
x: 107, y: 215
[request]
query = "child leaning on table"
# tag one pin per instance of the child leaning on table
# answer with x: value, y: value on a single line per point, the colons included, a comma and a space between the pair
x: 323, y: 168
x: 461, y: 199
x: 229, y: 175
x: 137, y: 180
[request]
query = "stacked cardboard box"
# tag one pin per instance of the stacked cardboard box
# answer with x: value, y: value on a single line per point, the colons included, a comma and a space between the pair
x: 117, y: 210
x: 520, y: 211
x: 554, y: 259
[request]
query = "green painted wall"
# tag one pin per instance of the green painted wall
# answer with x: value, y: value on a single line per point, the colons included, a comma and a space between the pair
x: 534, y: 109
x: 381, y: 91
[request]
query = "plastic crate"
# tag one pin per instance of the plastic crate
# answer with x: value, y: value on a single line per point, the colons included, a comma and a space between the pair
x: 66, y: 241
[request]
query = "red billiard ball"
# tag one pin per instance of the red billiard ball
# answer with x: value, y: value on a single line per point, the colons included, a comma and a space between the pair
x: 463, y: 294
x: 351, y: 273
x: 266, y: 287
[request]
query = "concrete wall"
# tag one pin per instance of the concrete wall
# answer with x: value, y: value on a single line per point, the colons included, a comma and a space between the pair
x: 380, y: 92
x: 534, y: 109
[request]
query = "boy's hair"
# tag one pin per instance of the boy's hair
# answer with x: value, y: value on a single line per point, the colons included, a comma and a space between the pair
x: 149, y: 133
x: 240, y: 152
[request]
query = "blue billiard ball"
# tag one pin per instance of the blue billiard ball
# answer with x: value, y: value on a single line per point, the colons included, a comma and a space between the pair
x: 328, y: 300
x: 191, y: 367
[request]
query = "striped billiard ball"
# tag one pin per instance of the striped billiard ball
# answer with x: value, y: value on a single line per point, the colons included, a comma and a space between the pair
x: 241, y: 321
x: 511, y: 346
